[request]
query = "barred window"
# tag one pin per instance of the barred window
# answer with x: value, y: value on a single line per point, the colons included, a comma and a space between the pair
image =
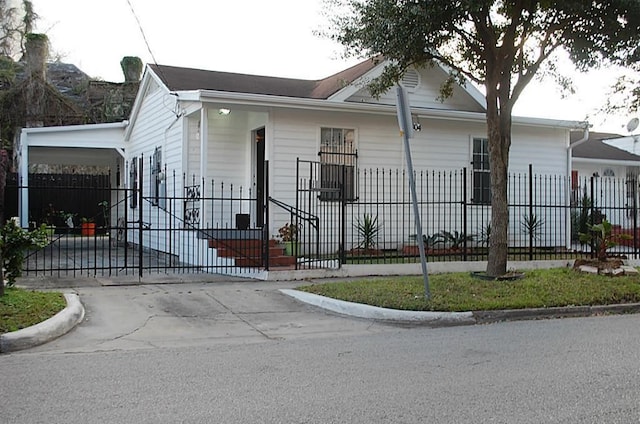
x: 338, y: 160
x: 481, y: 175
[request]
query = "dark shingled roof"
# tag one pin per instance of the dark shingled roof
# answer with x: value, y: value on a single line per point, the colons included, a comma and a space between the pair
x: 184, y: 79
x: 595, y: 148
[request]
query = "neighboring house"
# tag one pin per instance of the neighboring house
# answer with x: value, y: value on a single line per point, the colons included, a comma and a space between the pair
x: 225, y: 128
x: 596, y: 157
x: 605, y: 173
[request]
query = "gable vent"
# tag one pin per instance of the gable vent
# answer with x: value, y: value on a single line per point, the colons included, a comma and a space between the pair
x: 410, y: 79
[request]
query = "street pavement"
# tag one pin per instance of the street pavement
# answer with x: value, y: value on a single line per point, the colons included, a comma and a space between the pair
x: 241, y: 351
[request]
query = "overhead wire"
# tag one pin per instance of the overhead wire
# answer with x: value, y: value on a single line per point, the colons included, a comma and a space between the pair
x: 153, y: 58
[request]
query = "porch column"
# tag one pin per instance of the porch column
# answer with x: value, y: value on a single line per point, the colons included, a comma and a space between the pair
x: 23, y: 180
x: 204, y: 141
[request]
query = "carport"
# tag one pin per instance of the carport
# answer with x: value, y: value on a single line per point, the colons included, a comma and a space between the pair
x: 89, y: 145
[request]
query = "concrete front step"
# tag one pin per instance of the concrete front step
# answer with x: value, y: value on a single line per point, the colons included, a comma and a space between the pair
x: 248, y: 252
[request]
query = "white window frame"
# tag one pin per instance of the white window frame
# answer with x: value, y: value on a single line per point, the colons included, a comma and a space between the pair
x: 480, y: 171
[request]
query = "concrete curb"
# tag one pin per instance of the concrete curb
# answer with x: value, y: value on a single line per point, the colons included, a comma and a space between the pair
x: 382, y: 314
x: 441, y: 319
x: 54, y: 327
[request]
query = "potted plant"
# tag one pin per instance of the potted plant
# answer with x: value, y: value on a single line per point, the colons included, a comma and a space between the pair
x: 87, y: 227
x: 289, y: 235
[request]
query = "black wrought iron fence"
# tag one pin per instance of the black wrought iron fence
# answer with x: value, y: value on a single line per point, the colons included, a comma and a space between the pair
x: 190, y: 225
x: 185, y: 225
x: 545, y: 216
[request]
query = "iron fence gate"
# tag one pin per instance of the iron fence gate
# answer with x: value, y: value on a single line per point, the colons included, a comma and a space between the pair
x: 162, y: 224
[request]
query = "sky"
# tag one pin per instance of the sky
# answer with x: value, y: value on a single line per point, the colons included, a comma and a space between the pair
x: 263, y: 37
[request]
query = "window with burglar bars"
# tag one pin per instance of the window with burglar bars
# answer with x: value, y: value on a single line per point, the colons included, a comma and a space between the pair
x: 481, y: 173
x: 133, y: 183
x: 338, y: 161
x: 158, y: 188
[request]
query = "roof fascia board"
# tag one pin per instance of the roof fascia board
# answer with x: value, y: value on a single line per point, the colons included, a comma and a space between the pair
x: 148, y: 76
x: 209, y: 96
x: 76, y: 128
x: 86, y: 144
x: 76, y: 136
x: 612, y: 162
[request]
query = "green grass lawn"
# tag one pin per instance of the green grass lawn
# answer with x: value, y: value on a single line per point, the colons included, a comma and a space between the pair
x: 462, y: 292
x: 23, y: 308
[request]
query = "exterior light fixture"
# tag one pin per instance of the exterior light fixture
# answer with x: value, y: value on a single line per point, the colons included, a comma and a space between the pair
x: 224, y: 111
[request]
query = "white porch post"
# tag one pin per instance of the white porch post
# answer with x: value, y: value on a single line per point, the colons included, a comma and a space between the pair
x: 23, y: 180
x: 204, y: 141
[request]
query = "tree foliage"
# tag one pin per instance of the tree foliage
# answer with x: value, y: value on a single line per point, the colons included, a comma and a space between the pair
x: 499, y: 45
x: 16, y: 21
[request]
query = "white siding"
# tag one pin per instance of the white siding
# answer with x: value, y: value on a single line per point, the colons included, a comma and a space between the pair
x: 157, y: 126
x: 192, y: 170
x: 441, y: 145
x: 426, y: 94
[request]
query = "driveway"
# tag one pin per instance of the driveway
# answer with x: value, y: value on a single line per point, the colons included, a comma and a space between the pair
x: 167, y: 312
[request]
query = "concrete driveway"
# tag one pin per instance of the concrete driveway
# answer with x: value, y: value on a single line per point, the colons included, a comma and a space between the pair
x: 167, y: 312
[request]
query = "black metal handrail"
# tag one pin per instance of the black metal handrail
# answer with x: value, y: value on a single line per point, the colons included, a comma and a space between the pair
x: 304, y: 215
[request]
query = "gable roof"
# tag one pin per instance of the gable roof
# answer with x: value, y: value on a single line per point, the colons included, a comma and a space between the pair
x: 186, y: 79
x: 596, y: 148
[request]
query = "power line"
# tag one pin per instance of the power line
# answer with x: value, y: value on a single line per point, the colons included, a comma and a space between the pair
x: 144, y: 37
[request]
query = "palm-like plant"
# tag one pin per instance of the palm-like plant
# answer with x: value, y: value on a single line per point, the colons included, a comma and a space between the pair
x: 532, y: 225
x: 368, y: 230
x: 456, y: 239
x: 603, y: 238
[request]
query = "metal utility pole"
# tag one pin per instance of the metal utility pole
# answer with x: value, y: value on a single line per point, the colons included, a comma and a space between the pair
x: 406, y: 131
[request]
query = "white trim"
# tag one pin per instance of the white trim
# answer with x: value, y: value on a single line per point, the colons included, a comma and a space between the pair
x: 74, y: 128
x: 266, y: 101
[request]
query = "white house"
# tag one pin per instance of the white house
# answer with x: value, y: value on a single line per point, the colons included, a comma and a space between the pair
x: 268, y: 134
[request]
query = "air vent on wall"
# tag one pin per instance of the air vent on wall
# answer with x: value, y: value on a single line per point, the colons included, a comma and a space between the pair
x: 411, y: 79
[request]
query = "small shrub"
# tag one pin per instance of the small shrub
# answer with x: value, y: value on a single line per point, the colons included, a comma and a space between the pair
x: 531, y: 225
x: 456, y: 239
x: 485, y: 234
x: 432, y: 240
x: 368, y: 230
x: 584, y: 216
x: 14, y: 243
x: 603, y: 238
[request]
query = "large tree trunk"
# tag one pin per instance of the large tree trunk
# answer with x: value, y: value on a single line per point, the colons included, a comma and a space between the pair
x: 499, y: 133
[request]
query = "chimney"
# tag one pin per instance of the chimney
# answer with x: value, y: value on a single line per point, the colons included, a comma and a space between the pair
x: 132, y: 68
x: 36, y: 52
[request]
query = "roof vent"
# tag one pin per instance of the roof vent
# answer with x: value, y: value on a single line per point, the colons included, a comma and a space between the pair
x: 410, y: 79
